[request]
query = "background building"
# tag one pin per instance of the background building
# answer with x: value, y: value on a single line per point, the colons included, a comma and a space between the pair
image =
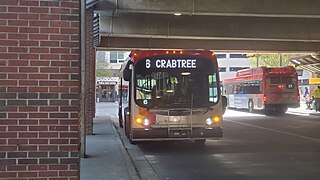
x: 107, y: 86
x: 115, y: 58
x: 229, y: 64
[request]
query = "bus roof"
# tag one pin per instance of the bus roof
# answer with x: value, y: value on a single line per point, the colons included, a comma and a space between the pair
x: 254, y: 73
x: 263, y: 70
x: 138, y: 54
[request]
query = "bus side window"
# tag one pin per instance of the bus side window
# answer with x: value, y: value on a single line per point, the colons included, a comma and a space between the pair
x: 238, y: 89
x: 234, y: 87
x: 213, y: 89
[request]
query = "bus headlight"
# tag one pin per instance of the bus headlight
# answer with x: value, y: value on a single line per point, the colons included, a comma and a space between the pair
x: 146, y: 122
x: 214, y: 119
x: 141, y: 121
x: 209, y: 121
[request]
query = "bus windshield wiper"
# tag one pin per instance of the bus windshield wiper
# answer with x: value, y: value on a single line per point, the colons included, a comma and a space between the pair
x: 207, y: 109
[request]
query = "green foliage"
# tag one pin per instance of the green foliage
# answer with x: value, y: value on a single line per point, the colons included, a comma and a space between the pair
x: 102, y: 66
x: 104, y: 73
x: 102, y: 70
x: 269, y: 60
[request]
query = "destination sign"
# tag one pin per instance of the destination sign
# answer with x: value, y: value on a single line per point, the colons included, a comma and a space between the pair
x: 171, y: 63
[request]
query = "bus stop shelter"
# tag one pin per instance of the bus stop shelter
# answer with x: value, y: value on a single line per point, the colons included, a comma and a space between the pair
x: 309, y: 62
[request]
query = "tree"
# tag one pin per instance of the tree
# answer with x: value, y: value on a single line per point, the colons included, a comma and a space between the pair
x: 102, y: 66
x: 269, y: 60
x: 102, y: 70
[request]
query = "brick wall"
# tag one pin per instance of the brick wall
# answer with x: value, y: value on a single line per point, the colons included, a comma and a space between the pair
x: 90, y: 73
x: 39, y: 89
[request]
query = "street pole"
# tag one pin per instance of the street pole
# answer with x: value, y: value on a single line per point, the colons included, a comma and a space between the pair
x: 258, y: 60
x: 83, y: 77
x: 120, y: 104
x: 280, y: 60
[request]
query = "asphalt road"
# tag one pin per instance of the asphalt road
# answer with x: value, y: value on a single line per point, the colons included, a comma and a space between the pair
x: 254, y: 146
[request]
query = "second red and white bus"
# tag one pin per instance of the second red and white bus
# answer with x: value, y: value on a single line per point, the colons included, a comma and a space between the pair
x: 271, y: 89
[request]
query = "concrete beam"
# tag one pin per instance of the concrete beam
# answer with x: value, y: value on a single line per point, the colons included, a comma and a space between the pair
x: 254, y: 8
x: 130, y: 43
x: 209, y: 27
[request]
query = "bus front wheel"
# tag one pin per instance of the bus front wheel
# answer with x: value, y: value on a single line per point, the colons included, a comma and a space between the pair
x: 126, y: 122
x: 250, y: 106
x: 131, y: 141
x: 200, y: 141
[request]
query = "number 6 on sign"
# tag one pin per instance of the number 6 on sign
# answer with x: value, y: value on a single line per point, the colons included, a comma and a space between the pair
x: 145, y: 102
x: 148, y: 63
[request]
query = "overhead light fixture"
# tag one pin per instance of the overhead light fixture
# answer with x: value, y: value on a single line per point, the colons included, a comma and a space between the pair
x: 296, y: 61
x: 177, y: 14
x: 185, y: 73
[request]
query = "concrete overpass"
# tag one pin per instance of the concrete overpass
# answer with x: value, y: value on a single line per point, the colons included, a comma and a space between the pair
x: 232, y: 25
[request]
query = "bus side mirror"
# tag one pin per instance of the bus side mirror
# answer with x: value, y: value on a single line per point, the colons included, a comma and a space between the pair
x: 224, y: 104
x: 127, y: 74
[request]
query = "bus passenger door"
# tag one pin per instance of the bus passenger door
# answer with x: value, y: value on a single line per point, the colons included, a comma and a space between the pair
x: 231, y: 100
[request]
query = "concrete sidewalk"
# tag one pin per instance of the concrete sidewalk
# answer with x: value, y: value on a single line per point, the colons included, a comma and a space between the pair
x: 107, y: 159
x: 303, y: 110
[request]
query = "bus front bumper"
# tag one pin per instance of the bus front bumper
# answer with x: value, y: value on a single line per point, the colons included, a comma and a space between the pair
x: 176, y: 134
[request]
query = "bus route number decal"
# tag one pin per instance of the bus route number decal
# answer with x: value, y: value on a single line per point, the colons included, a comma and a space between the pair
x: 289, y: 86
x: 172, y: 63
x: 145, y: 102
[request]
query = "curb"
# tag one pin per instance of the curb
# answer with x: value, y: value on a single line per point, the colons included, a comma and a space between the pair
x: 131, y: 168
x: 139, y: 168
x: 314, y: 114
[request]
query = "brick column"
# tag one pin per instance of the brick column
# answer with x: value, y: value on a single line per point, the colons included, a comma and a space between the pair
x: 39, y: 89
x: 90, y: 72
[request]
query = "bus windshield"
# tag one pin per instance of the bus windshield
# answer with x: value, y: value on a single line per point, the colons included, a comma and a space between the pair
x: 281, y: 80
x: 175, y: 88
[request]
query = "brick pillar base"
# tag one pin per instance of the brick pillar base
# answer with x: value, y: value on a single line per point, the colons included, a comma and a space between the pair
x: 90, y: 72
x: 39, y: 89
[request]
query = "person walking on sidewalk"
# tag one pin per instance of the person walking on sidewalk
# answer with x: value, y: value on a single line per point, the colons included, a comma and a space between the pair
x: 306, y: 92
x: 316, y: 96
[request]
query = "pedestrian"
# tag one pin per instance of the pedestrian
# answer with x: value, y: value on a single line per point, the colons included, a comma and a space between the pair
x: 310, y: 103
x: 306, y: 92
x: 316, y: 96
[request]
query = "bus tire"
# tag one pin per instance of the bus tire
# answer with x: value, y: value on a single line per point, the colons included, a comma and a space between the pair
x: 127, y: 128
x: 200, y: 141
x: 281, y: 111
x: 126, y: 123
x: 132, y: 141
x: 250, y: 105
x: 228, y: 104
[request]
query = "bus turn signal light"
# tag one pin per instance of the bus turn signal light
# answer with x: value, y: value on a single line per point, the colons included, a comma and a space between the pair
x: 139, y: 120
x: 216, y: 119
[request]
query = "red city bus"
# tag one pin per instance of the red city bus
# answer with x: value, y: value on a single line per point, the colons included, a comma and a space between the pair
x: 173, y: 95
x: 262, y: 88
